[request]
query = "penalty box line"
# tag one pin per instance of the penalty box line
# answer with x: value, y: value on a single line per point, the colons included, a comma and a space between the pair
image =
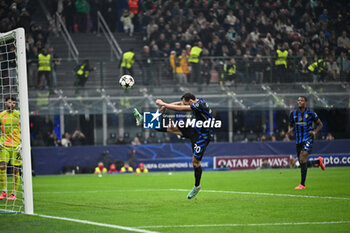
x: 247, y: 225
x: 132, y: 229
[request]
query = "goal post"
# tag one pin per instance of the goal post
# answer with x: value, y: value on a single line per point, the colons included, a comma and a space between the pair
x: 24, y: 110
x: 14, y: 83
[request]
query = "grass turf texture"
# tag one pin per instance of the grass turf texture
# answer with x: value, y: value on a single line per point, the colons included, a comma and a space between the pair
x: 159, y: 199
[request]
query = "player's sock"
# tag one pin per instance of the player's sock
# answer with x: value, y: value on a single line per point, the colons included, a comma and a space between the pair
x: 16, y: 182
x: 303, y: 167
x: 313, y: 163
x: 3, y: 179
x: 198, y: 175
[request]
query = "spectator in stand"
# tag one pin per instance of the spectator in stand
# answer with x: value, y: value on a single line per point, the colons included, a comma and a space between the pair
x: 32, y: 62
x: 188, y: 50
x: 344, y: 64
x: 68, y: 14
x: 95, y: 6
x: 135, y: 141
x: 120, y: 140
x: 45, y: 129
x: 330, y: 137
x: 265, y: 164
x: 343, y: 41
x: 134, y: 9
x: 206, y: 67
x: 110, y: 14
x: 281, y: 135
x: 146, y: 65
x: 162, y: 41
x: 78, y: 138
x: 177, y: 64
x: 66, y: 140
x: 333, y: 69
x: 304, y: 75
x: 254, y: 35
x: 83, y: 10
x: 55, y: 62
x: 141, y: 169
x: 258, y: 67
x: 157, y: 65
x: 128, y: 25
x: 231, y: 34
x: 269, y: 41
x: 53, y: 140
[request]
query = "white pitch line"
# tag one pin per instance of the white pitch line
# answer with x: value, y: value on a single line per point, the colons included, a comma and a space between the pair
x: 97, y: 224
x: 246, y: 225
x: 265, y: 194
x: 207, y: 191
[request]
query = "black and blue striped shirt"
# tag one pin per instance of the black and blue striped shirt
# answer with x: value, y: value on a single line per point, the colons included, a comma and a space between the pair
x: 303, y: 124
x: 202, y: 112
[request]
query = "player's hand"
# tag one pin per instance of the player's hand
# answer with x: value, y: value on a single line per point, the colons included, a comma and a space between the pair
x: 162, y: 109
x: 160, y: 102
x: 312, y: 133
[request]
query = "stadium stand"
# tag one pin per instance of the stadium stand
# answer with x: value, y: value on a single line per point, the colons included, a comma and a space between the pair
x: 314, y: 34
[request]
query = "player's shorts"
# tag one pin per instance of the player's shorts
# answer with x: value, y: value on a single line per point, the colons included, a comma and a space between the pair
x: 188, y: 133
x: 200, y: 145
x: 10, y: 154
x: 305, y: 146
x: 199, y: 141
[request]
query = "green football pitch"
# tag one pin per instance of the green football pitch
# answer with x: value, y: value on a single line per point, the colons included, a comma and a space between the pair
x: 230, y: 201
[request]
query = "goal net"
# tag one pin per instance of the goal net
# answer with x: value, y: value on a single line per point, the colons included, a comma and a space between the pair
x: 15, y: 161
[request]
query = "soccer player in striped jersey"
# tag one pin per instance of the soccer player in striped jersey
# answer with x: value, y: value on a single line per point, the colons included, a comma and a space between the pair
x: 199, y: 136
x: 10, y: 143
x: 301, y: 121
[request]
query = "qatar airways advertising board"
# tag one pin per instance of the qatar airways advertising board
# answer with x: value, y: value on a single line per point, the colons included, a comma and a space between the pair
x: 250, y: 162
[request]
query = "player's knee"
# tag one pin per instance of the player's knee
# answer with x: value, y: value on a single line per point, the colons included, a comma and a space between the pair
x: 196, y: 163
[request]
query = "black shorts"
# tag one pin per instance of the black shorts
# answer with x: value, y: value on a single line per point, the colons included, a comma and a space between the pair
x: 199, y: 141
x: 305, y: 146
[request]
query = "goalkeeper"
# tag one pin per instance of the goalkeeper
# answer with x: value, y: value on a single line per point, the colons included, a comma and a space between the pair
x: 10, y: 143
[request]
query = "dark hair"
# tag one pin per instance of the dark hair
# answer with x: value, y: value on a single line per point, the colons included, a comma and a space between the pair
x: 13, y: 98
x: 304, y: 97
x: 188, y: 96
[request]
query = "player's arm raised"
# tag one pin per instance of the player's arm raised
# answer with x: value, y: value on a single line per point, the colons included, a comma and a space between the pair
x: 163, y: 108
x: 174, y: 107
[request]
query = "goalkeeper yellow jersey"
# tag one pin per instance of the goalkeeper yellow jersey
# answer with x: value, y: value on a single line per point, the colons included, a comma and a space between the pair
x: 10, y: 128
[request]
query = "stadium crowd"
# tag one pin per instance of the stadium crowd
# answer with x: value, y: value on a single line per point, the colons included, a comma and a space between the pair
x: 252, y: 41
x: 255, y: 32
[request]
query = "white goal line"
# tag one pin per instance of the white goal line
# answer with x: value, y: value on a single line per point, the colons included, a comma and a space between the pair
x: 132, y: 229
